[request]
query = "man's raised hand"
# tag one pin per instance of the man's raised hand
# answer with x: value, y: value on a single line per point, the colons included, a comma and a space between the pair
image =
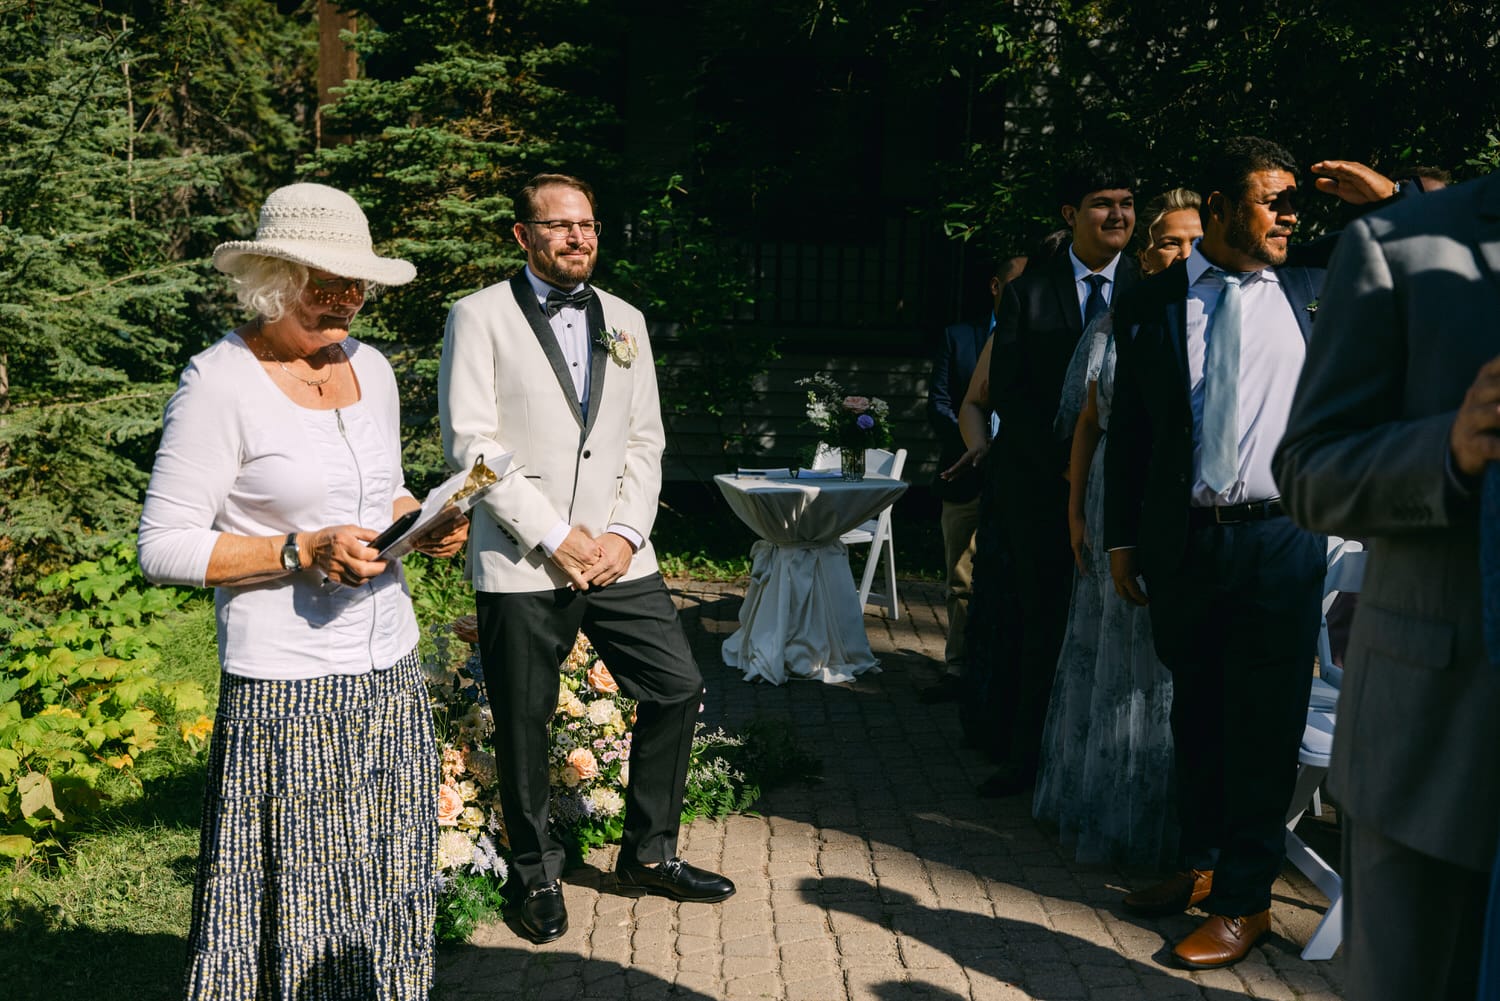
x: 1353, y: 182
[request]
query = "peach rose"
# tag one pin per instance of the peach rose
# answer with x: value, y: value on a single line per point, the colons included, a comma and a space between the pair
x: 600, y: 680
x: 450, y: 805
x: 856, y: 404
x: 581, y: 763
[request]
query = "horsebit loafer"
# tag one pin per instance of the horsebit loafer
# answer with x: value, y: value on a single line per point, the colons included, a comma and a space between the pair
x: 1172, y: 895
x: 676, y: 879
x: 544, y: 917
x: 1221, y: 941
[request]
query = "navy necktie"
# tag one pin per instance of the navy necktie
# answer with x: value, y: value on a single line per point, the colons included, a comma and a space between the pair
x: 557, y: 300
x: 1489, y: 558
x: 1094, y: 304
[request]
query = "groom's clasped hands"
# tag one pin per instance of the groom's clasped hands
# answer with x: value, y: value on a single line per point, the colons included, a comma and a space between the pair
x: 593, y: 561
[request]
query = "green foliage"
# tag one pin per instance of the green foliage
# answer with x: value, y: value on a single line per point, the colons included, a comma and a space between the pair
x: 74, y: 700
x: 457, y: 107
x: 679, y: 270
x: 439, y: 594
x: 122, y: 151
x: 466, y: 901
x: 700, y: 565
x: 715, y: 788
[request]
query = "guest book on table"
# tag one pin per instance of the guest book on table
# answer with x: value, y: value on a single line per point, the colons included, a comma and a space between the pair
x: 454, y: 496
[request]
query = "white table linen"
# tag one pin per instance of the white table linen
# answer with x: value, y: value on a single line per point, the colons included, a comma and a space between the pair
x: 801, y: 617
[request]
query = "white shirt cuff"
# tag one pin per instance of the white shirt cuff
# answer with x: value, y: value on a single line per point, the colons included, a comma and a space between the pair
x: 555, y: 538
x: 629, y: 534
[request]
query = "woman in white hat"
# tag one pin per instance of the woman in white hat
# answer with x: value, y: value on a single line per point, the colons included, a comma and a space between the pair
x: 280, y: 460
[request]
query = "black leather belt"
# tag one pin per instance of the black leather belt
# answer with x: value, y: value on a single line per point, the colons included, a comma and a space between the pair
x: 1235, y: 514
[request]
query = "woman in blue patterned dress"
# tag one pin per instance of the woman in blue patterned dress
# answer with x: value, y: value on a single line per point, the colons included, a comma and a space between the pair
x: 1105, y: 779
x: 281, y: 444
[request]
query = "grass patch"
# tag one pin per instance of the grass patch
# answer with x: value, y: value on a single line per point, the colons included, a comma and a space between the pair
x: 110, y: 919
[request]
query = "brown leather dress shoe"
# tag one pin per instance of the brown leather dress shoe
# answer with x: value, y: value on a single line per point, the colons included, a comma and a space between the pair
x: 1172, y: 895
x: 1221, y: 941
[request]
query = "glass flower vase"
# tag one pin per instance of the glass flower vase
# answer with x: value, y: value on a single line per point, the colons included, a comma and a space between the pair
x: 852, y: 462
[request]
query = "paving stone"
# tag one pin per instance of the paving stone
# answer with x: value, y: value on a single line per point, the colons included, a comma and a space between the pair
x: 825, y: 987
x: 764, y: 985
x: 759, y: 944
x: 885, y: 880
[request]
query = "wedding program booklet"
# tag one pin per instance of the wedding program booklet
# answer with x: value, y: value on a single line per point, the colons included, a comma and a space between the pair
x: 455, y: 495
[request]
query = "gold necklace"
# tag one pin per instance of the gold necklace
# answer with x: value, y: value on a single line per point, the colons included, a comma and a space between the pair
x: 270, y: 355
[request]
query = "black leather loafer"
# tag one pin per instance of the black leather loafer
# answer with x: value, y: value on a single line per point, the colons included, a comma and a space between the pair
x: 543, y: 915
x: 676, y: 879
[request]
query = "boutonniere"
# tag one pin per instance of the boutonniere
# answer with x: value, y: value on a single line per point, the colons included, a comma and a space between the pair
x: 1312, y: 309
x: 620, y: 344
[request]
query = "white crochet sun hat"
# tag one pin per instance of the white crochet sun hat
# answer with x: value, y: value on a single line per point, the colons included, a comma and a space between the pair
x: 318, y: 227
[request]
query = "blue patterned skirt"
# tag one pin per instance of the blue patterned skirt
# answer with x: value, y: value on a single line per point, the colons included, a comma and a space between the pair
x: 317, y: 860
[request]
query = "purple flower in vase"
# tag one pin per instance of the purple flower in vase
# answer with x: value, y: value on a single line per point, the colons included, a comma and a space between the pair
x: 864, y: 422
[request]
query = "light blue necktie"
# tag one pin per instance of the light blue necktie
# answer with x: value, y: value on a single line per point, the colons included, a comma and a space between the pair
x: 1220, y: 447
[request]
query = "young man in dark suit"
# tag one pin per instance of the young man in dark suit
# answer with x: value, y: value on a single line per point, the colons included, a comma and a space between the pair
x: 1396, y: 415
x: 1041, y: 317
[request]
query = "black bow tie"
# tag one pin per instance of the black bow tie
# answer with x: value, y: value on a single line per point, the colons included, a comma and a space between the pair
x: 557, y: 300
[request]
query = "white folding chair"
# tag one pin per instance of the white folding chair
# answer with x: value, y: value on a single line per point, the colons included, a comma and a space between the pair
x: 876, y: 532
x: 1345, y: 573
x: 1346, y: 566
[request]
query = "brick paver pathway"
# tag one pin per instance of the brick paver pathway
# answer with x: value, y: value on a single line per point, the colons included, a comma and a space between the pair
x: 888, y: 879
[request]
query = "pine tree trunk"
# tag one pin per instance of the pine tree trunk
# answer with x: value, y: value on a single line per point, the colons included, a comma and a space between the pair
x: 337, y: 64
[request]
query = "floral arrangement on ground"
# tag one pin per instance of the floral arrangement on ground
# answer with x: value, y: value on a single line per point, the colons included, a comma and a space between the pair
x: 845, y: 421
x: 589, y: 761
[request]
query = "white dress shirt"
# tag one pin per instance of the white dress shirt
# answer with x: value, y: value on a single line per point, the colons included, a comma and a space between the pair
x: 571, y: 327
x: 1081, y: 272
x: 238, y: 456
x: 1271, y: 354
x: 570, y: 324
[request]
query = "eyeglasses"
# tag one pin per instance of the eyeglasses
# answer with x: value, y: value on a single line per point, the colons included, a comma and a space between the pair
x: 560, y: 228
x: 337, y: 288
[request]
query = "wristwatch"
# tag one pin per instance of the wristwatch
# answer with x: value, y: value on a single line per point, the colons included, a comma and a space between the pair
x: 291, y: 556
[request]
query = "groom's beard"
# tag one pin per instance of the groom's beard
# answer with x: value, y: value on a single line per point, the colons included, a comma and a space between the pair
x: 564, y: 272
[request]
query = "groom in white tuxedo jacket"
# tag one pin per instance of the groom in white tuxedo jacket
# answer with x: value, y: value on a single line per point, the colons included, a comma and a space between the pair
x: 561, y: 374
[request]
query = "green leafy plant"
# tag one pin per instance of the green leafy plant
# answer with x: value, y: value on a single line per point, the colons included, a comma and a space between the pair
x: 465, y: 901
x: 76, y: 700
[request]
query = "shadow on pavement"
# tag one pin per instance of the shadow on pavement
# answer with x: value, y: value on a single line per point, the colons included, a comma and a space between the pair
x: 472, y: 973
x: 1043, y: 962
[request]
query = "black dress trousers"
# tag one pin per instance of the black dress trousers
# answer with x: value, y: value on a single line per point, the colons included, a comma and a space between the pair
x: 1237, y: 626
x: 523, y: 640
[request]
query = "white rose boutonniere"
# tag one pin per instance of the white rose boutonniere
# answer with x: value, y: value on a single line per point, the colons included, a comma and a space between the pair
x: 620, y: 344
x: 1312, y: 309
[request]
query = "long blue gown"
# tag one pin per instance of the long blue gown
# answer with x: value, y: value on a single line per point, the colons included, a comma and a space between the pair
x: 1106, y: 778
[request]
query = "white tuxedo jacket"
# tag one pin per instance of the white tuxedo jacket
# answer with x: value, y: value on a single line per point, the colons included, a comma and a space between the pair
x: 503, y: 387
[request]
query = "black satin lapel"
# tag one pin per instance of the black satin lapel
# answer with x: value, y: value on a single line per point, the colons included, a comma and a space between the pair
x: 1176, y: 317
x: 532, y: 310
x: 598, y: 361
x: 1487, y: 226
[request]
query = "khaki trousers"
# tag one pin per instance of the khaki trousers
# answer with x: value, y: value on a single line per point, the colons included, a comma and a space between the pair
x: 959, y: 522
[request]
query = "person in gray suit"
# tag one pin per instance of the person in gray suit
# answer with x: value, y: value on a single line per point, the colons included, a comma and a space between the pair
x: 1396, y: 412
